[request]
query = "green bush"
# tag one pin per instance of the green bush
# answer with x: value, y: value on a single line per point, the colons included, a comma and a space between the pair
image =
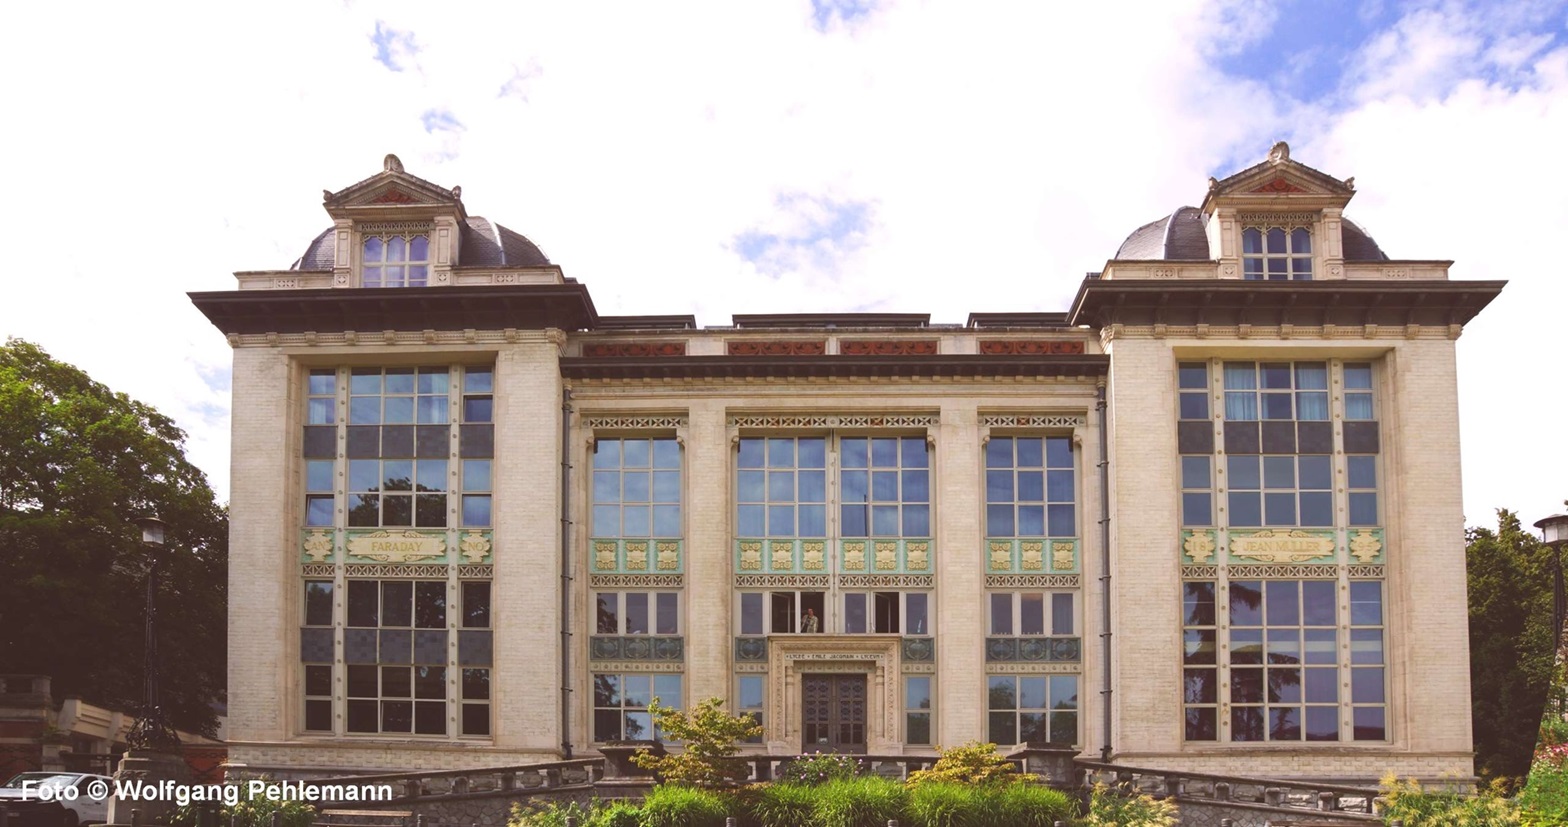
x: 972, y: 763
x: 859, y: 802
x: 820, y: 769
x: 1031, y: 805
x: 1112, y: 808
x: 619, y: 814
x: 1417, y: 807
x: 778, y: 805
x: 948, y: 804
x: 668, y: 805
x: 551, y: 814
x: 249, y: 812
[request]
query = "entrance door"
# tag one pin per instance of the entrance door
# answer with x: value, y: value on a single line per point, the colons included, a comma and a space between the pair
x: 833, y: 713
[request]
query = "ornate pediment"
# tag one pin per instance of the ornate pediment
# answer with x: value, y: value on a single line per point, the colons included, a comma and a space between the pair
x: 1280, y: 177
x: 392, y: 189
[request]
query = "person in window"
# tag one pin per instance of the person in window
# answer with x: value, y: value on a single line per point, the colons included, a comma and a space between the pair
x: 808, y: 624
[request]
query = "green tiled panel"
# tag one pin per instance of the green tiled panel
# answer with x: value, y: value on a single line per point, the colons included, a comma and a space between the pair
x: 885, y: 555
x: 636, y: 556
x: 1032, y: 555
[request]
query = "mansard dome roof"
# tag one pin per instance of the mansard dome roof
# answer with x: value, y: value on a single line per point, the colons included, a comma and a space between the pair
x: 1182, y: 235
x: 484, y: 244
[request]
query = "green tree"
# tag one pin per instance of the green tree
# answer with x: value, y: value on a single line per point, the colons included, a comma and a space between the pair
x: 1510, y: 577
x: 708, y: 737
x: 78, y: 464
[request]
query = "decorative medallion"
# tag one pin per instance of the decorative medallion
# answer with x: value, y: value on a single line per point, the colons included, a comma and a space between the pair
x: 669, y: 553
x: 1283, y: 546
x: 1062, y: 555
x: 886, y: 555
x: 811, y: 555
x: 1030, y: 347
x: 318, y: 546
x: 1366, y: 546
x: 919, y: 648
x: 1199, y: 546
x: 604, y: 555
x: 637, y: 555
x: 1001, y: 556
x: 917, y: 555
x: 751, y: 648
x: 474, y: 547
x: 751, y: 555
x: 781, y: 555
x: 397, y: 547
x: 636, y: 648
x: 854, y: 555
x: 1032, y: 555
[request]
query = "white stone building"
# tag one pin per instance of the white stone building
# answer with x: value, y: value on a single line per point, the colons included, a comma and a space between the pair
x: 1208, y: 517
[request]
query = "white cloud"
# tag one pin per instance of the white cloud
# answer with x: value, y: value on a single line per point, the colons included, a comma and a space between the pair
x: 1002, y: 150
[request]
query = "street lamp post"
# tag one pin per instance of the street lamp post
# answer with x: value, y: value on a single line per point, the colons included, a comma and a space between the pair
x: 1554, y: 531
x: 152, y: 730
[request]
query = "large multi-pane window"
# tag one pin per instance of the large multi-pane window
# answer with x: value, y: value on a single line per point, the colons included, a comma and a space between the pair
x: 1280, y: 490
x: 637, y: 613
x: 398, y: 434
x: 1029, y: 487
x: 637, y: 488
x: 886, y: 613
x: 1276, y: 390
x: 1283, y: 678
x: 782, y: 487
x: 781, y: 612
x: 395, y: 261
x: 1033, y: 613
x: 620, y: 704
x: 917, y: 709
x: 1276, y: 253
x: 885, y: 487
x: 749, y: 702
x: 1032, y: 708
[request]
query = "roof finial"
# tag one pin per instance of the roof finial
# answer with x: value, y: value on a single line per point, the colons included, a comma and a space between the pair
x: 392, y: 164
x: 1280, y: 153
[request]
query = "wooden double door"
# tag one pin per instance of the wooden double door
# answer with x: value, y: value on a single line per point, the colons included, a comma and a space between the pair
x: 833, y: 713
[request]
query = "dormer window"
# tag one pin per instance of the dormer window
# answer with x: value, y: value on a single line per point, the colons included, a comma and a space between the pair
x: 1276, y: 253
x: 396, y: 261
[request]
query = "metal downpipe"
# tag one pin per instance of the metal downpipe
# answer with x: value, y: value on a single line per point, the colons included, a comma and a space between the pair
x: 1105, y: 576
x: 566, y: 574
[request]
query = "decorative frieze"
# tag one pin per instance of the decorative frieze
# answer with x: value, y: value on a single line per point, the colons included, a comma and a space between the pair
x: 427, y: 571
x: 787, y: 347
x: 1279, y: 571
x: 1005, y: 420
x: 888, y: 347
x: 1029, y: 555
x: 1365, y: 572
x: 485, y: 572
x: 635, y: 581
x: 635, y: 556
x: 1200, y: 572
x: 885, y: 556
x: 397, y: 546
x: 320, y: 570
x: 819, y: 421
x: 1281, y: 546
x: 1033, y: 581
x: 636, y: 648
x: 1283, y: 220
x: 633, y: 350
x: 886, y: 581
x: 638, y: 666
x: 1031, y: 347
x: 781, y: 581
x: 633, y: 422
x: 1039, y: 649
x: 1033, y: 668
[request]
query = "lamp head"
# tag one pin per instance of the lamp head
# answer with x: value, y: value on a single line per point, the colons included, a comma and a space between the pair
x: 1554, y: 529
x: 152, y: 531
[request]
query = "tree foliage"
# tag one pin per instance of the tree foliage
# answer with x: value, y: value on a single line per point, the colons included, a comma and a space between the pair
x: 78, y: 464
x: 973, y: 763
x: 1510, y: 578
x: 709, y: 735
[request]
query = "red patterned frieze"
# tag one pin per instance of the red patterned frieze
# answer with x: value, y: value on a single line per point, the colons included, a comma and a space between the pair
x: 1031, y: 347
x: 1279, y: 185
x: 888, y: 347
x: 393, y: 196
x: 634, y: 349
x: 787, y: 347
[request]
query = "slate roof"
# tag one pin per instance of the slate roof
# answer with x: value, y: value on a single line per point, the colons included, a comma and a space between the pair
x: 484, y: 244
x: 1181, y: 236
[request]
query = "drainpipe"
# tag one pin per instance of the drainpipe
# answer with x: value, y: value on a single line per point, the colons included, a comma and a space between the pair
x: 1105, y: 576
x: 566, y: 574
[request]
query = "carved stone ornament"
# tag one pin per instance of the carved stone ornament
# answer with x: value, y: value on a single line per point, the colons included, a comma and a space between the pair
x: 318, y: 546
x: 1282, y: 546
x: 1031, y: 555
x: 1199, y: 546
x: 1062, y: 555
x: 811, y: 556
x: 855, y: 555
x: 1001, y: 555
x: 604, y: 555
x: 886, y: 555
x: 474, y: 547
x: 397, y: 546
x: 782, y: 554
x: 637, y: 555
x: 669, y: 555
x: 751, y: 556
x: 918, y: 556
x: 1365, y: 546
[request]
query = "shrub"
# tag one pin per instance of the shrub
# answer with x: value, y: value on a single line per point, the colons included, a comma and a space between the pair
x: 619, y: 814
x: 946, y: 804
x: 249, y: 812
x: 674, y: 806
x: 708, y: 735
x: 972, y: 763
x: 551, y: 814
x: 858, y: 802
x: 778, y: 805
x: 1418, y: 807
x: 1112, y: 808
x: 820, y: 769
x: 1032, y: 805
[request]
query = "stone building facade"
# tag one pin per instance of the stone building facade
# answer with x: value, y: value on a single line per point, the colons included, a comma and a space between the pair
x: 1207, y: 517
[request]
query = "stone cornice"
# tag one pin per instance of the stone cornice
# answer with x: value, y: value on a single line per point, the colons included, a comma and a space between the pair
x: 522, y: 306
x: 817, y: 367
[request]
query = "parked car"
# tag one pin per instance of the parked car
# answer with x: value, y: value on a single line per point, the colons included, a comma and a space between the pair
x: 79, y: 799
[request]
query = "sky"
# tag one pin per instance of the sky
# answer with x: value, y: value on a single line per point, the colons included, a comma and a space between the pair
x: 940, y: 156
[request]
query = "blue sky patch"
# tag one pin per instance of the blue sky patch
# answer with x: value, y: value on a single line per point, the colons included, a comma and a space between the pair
x: 395, y: 49
x: 824, y: 12
x: 809, y: 233
x: 440, y: 120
